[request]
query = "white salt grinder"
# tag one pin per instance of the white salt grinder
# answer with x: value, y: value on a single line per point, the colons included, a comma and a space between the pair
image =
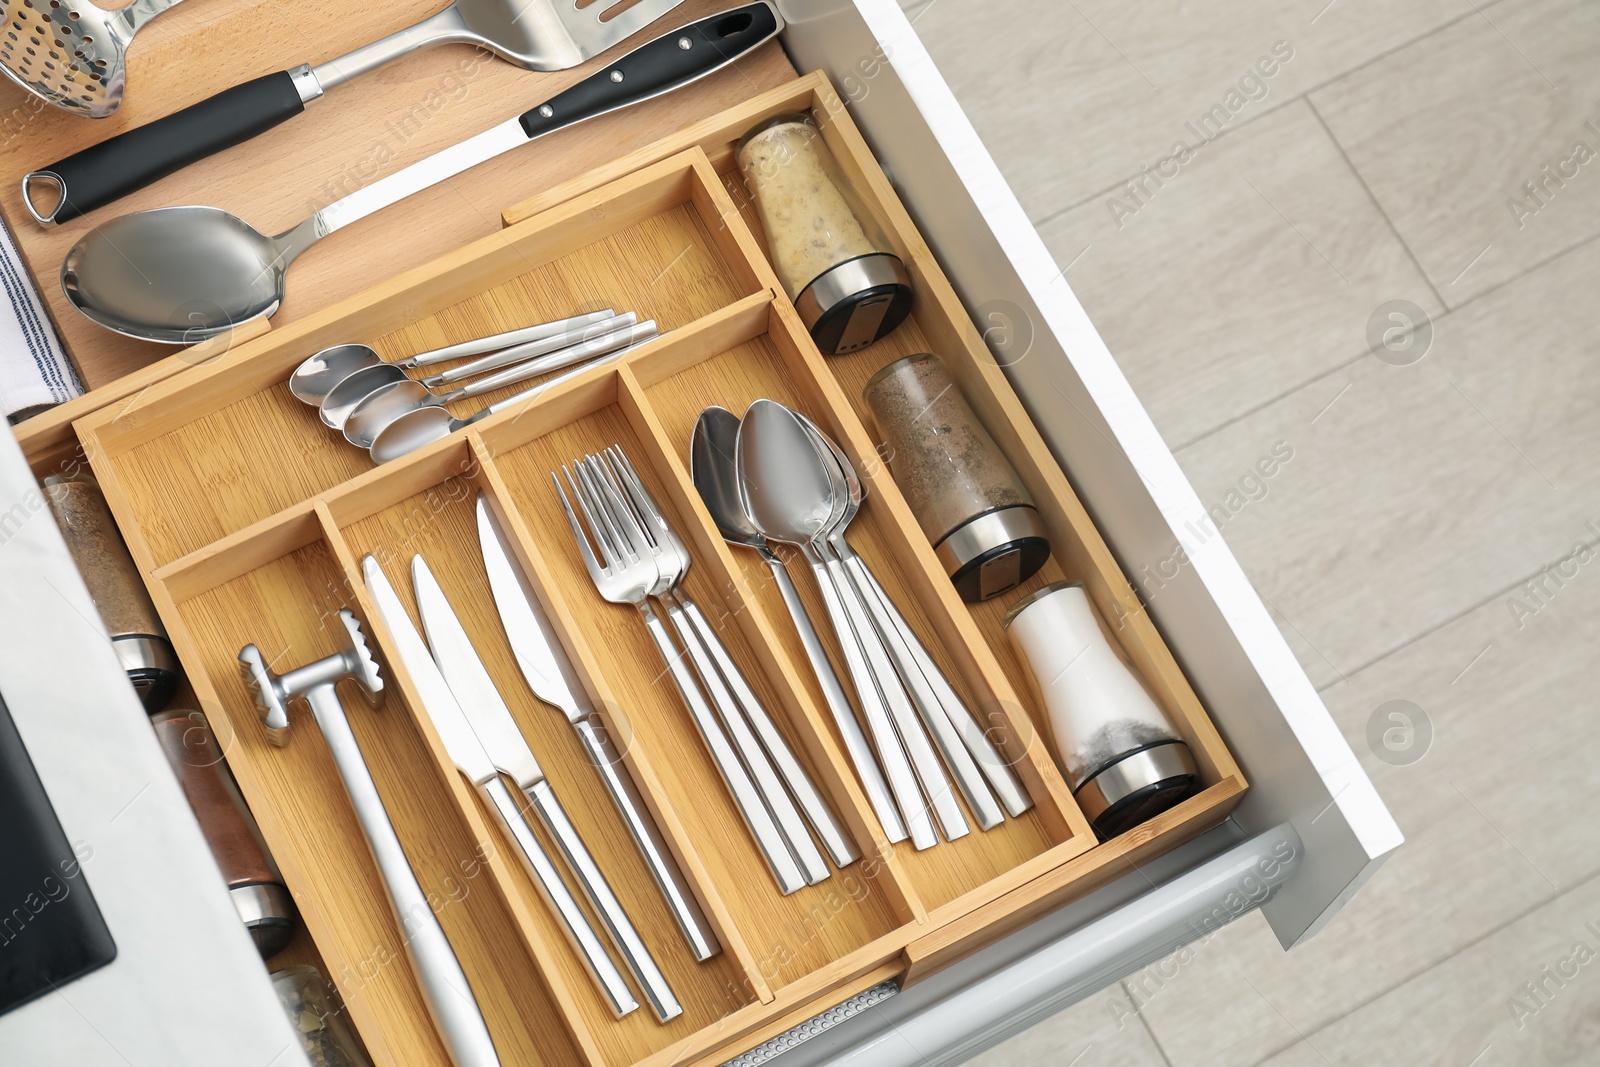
x: 1124, y: 761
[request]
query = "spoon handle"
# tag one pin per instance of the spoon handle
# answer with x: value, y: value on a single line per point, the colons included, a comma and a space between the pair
x: 954, y: 753
x: 994, y: 766
x: 890, y: 751
x: 566, y: 357
x: 923, y: 761
x: 855, y: 741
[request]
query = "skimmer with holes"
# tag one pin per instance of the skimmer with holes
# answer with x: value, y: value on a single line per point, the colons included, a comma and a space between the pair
x: 70, y: 53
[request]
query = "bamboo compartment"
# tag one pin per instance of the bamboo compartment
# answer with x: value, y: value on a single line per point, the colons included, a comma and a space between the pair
x: 249, y: 519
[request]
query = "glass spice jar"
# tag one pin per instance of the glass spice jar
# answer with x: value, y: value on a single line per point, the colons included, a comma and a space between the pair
x: 1121, y: 756
x: 827, y: 248
x: 967, y: 497
x: 324, y: 1033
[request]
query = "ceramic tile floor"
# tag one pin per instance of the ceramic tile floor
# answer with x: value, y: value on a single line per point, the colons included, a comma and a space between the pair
x: 1435, y: 538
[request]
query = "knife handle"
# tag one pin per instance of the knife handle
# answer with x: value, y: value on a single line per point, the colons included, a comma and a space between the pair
x: 556, y: 895
x: 669, y: 877
x: 592, y: 883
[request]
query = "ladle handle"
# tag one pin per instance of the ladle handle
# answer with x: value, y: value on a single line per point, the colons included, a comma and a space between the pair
x: 130, y: 161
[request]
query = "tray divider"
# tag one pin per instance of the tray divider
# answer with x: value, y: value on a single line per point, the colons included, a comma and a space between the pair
x: 241, y: 551
x: 585, y: 661
x: 791, y: 682
x: 505, y: 873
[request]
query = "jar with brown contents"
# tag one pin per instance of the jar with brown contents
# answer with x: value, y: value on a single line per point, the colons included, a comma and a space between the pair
x: 967, y: 497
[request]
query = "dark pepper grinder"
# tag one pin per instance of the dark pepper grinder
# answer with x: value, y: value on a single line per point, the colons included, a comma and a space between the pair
x: 254, y: 885
x: 119, y: 594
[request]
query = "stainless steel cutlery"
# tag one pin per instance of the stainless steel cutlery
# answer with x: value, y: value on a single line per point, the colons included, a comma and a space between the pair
x: 483, y: 741
x: 181, y: 274
x: 534, y: 34
x: 545, y: 668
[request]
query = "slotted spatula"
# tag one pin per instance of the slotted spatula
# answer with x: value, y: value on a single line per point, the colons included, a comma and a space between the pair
x: 534, y: 34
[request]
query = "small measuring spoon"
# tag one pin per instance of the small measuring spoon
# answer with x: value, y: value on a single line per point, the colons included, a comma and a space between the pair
x: 313, y: 379
x: 378, y: 409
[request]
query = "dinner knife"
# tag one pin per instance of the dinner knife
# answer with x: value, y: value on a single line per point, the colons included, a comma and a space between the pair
x: 548, y: 673
x: 491, y: 720
x: 467, y: 753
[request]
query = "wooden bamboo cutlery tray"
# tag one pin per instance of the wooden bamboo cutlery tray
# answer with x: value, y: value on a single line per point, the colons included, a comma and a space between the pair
x: 251, y: 521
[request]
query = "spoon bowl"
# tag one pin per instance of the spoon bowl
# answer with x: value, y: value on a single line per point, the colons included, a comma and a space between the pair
x: 784, y: 485
x: 346, y: 398
x: 411, y: 430
x: 714, y: 469
x: 383, y: 405
x: 176, y: 275
x: 313, y: 379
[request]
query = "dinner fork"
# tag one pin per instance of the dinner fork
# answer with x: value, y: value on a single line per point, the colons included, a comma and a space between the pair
x: 649, y: 514
x: 605, y: 495
x: 626, y: 577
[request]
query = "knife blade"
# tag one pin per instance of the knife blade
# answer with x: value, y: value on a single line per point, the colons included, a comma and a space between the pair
x: 549, y: 675
x: 492, y: 721
x: 467, y: 753
x: 533, y: 640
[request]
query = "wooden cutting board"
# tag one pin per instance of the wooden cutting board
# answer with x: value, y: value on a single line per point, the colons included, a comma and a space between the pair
x: 354, y: 135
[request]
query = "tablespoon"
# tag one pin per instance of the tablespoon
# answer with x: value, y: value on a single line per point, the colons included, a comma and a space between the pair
x: 326, y: 369
x: 713, y: 469
x: 785, y: 490
x: 378, y: 409
x: 179, y: 275
x: 935, y: 694
x: 359, y: 384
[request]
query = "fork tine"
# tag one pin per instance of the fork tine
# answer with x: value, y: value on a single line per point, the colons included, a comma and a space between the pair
x: 584, y: 550
x: 643, y: 511
x: 642, y: 500
x: 606, y: 538
x: 622, y: 529
x: 620, y: 510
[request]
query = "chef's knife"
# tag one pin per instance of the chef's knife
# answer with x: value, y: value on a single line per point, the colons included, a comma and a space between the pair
x: 491, y: 720
x: 549, y: 674
x: 467, y: 753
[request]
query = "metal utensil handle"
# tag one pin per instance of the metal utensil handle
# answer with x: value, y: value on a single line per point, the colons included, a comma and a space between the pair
x: 993, y: 765
x: 803, y: 789
x: 540, y: 346
x: 444, y: 985
x: 548, y: 881
x: 496, y: 342
x: 784, y: 813
x: 930, y: 775
x: 656, y: 67
x: 756, y: 816
x: 855, y: 741
x: 669, y: 877
x: 945, y: 737
x: 592, y: 883
x: 566, y: 357
x: 896, y: 766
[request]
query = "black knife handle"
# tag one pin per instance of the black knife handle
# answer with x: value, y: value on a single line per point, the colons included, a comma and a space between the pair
x: 669, y: 62
x: 130, y: 161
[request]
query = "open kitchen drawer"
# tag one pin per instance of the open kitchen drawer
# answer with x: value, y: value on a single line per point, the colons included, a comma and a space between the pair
x: 1205, y: 644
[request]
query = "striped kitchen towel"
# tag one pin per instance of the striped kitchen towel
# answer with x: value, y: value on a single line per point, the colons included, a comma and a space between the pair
x: 34, y: 371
